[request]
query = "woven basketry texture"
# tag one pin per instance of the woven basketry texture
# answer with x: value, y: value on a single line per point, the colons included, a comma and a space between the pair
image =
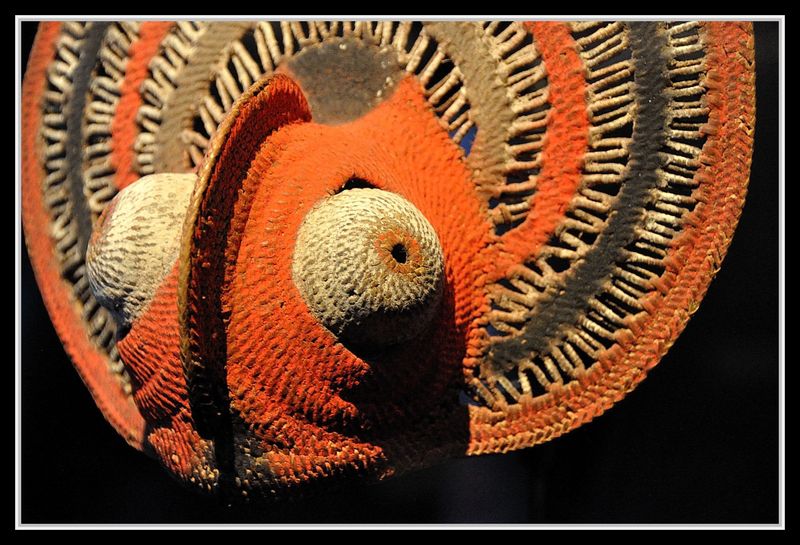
x: 359, y: 248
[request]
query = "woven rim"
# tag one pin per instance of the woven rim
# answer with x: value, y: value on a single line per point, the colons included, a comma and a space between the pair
x: 694, y: 259
x: 210, y: 234
x: 91, y: 363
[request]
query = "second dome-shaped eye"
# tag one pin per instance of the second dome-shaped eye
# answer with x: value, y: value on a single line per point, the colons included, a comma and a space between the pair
x: 369, y: 266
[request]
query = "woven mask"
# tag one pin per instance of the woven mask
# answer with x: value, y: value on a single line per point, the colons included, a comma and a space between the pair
x: 283, y: 256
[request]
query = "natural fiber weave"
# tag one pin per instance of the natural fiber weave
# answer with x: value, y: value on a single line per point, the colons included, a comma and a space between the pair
x: 404, y: 241
x: 370, y: 267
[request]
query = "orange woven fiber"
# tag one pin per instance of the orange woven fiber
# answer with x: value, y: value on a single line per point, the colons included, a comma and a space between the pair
x: 692, y: 261
x: 316, y: 407
x: 124, y: 125
x: 151, y: 350
x: 92, y: 366
x: 563, y: 150
x: 438, y: 239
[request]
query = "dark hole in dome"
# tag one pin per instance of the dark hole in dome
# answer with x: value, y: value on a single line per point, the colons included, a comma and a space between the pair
x: 356, y: 183
x: 399, y: 253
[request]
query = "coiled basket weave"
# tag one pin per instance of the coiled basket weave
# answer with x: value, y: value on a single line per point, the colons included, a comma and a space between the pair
x: 285, y: 255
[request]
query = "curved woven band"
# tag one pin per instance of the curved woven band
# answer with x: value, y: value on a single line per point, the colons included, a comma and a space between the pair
x: 218, y: 209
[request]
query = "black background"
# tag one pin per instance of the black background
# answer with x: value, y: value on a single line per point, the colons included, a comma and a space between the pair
x: 695, y: 442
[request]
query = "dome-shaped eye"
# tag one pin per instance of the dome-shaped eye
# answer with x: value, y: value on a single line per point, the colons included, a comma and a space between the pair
x: 369, y: 266
x: 135, y: 243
